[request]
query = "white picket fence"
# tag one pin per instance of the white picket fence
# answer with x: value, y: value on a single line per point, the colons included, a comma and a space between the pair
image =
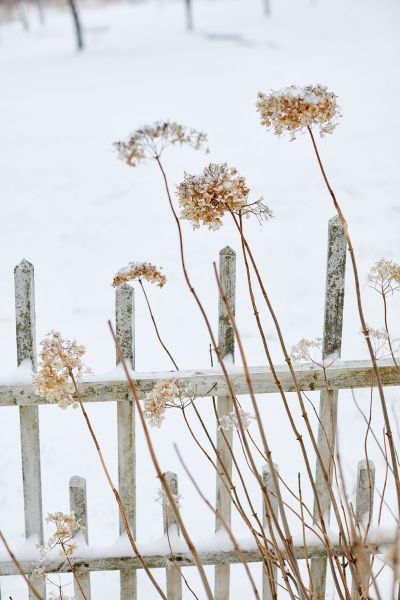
x: 342, y: 375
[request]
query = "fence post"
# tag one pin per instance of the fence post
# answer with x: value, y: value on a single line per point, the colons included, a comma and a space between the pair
x: 29, y: 415
x: 364, y: 508
x: 268, y: 587
x: 78, y: 506
x: 332, y: 341
x: 125, y: 332
x: 173, y: 576
x: 226, y: 342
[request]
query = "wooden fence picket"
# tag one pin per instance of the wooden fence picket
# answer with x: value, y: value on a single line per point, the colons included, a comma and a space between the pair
x: 364, y: 510
x: 29, y: 415
x: 269, y: 587
x: 125, y: 332
x: 332, y: 341
x: 78, y: 506
x: 171, y: 529
x: 226, y: 342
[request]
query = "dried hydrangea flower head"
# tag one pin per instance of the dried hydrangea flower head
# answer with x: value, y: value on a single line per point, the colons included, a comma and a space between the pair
x: 382, y: 342
x: 150, y: 141
x: 204, y: 199
x: 66, y: 528
x: 139, y: 270
x: 60, y: 361
x: 166, y: 394
x: 231, y: 422
x: 384, y: 276
x: 295, y: 108
x: 310, y: 351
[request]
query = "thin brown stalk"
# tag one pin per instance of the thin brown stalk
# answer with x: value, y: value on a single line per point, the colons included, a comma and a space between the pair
x: 156, y: 327
x: 20, y: 569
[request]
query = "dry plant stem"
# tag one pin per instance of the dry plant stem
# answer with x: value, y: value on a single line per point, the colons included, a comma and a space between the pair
x: 223, y: 523
x: 364, y: 327
x: 115, y: 491
x: 288, y: 537
x: 160, y: 474
x: 15, y: 561
x: 385, y: 316
x: 71, y: 566
x: 310, y: 584
x: 223, y: 368
x: 247, y: 253
x: 156, y: 328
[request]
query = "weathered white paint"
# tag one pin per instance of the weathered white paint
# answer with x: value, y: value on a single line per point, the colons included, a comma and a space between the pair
x: 173, y: 576
x: 78, y: 506
x: 226, y: 342
x: 268, y: 587
x: 342, y: 375
x: 125, y: 332
x: 332, y: 342
x: 29, y: 416
x: 364, y: 504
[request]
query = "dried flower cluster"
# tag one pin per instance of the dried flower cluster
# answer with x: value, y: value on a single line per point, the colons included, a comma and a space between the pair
x: 137, y: 270
x: 294, y: 108
x: 231, y: 421
x: 310, y: 351
x: 166, y: 394
x: 205, y: 198
x: 66, y: 527
x: 60, y: 361
x: 382, y: 342
x: 151, y: 140
x: 164, y: 500
x: 384, y: 276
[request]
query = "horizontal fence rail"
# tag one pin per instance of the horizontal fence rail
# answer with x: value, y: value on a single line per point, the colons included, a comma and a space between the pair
x: 344, y: 375
x: 158, y: 561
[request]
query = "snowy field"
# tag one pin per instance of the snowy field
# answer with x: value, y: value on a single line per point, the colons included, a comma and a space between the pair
x: 71, y: 208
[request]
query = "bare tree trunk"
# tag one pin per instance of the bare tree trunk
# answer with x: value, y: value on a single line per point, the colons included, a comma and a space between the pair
x: 77, y: 23
x: 189, y: 15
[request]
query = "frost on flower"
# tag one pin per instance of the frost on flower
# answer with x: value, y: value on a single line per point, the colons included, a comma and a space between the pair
x: 66, y: 527
x: 295, y: 108
x: 229, y: 422
x: 204, y: 199
x: 151, y: 140
x: 138, y: 270
x: 166, y: 394
x: 384, y: 276
x: 60, y: 360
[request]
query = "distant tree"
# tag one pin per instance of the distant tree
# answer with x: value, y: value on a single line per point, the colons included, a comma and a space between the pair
x: 77, y: 23
x: 189, y: 15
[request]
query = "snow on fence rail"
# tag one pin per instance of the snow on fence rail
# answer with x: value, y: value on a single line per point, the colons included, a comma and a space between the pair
x: 17, y: 390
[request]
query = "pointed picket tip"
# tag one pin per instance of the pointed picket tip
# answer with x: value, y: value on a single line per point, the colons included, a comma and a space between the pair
x: 126, y: 288
x: 227, y: 251
x: 24, y: 265
x: 77, y: 482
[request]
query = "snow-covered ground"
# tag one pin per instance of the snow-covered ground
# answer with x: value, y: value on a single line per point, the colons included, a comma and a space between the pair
x: 70, y: 207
